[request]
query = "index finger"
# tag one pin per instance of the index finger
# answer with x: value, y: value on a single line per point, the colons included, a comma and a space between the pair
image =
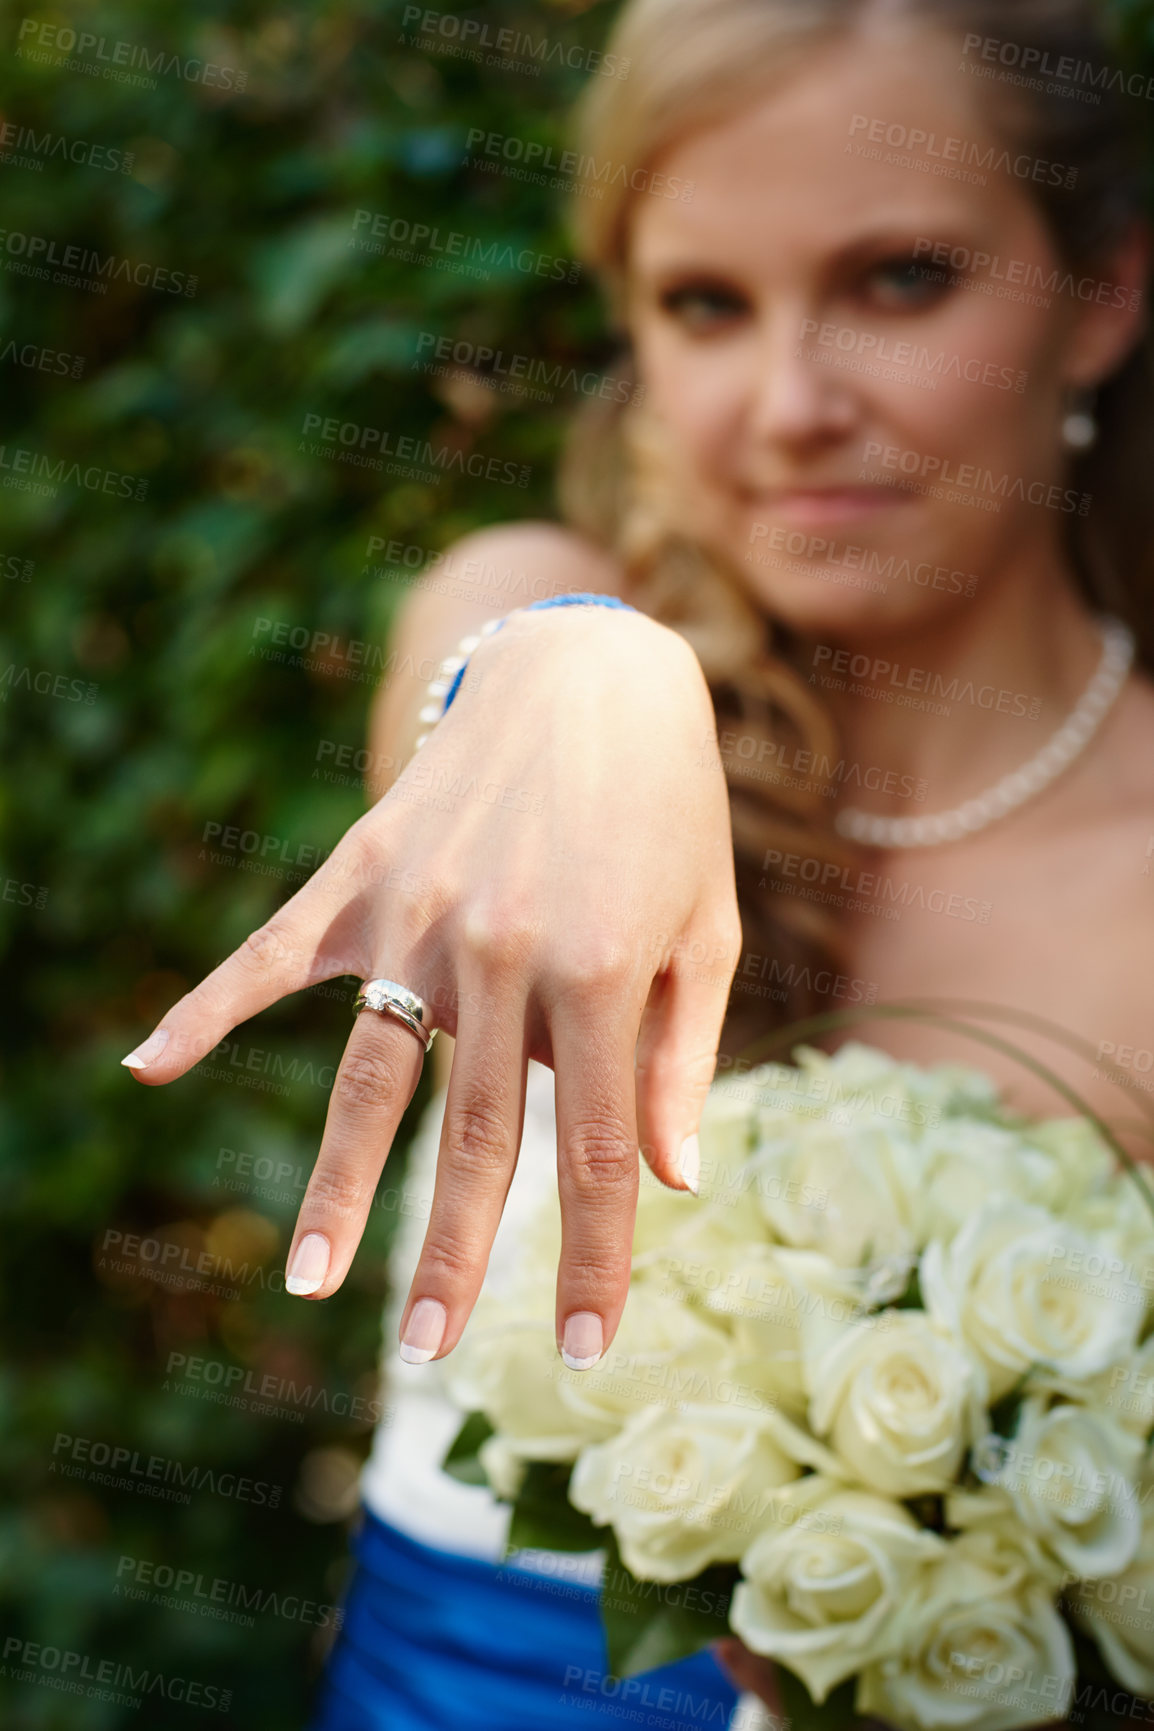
x: 284, y: 955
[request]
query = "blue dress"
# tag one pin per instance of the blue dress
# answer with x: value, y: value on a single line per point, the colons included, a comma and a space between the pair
x: 437, y: 1642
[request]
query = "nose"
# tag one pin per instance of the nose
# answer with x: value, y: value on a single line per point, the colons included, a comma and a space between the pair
x: 796, y: 396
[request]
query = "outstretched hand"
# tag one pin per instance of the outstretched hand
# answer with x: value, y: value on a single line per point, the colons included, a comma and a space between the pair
x: 577, y: 907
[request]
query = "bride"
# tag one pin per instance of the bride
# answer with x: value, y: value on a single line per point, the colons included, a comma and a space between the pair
x: 877, y: 722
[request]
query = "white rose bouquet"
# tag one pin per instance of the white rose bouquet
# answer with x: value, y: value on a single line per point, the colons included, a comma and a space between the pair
x: 880, y: 1404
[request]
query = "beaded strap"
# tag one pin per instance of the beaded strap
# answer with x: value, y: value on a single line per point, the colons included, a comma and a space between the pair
x: 447, y: 682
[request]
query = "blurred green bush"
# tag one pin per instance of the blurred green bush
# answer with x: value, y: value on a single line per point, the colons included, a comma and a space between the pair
x: 160, y: 501
x: 188, y: 181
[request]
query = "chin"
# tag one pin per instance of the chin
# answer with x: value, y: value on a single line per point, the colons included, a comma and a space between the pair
x: 846, y: 583
x: 830, y: 601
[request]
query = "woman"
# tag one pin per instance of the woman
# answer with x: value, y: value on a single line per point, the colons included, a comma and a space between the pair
x: 886, y: 475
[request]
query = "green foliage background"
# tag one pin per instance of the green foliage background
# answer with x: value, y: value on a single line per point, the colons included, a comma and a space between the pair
x: 154, y: 601
x: 105, y: 804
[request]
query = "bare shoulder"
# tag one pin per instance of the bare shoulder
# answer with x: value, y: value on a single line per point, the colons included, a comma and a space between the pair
x: 507, y: 565
x: 485, y: 574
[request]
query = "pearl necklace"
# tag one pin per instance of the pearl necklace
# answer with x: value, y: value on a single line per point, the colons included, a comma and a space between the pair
x: 1023, y: 784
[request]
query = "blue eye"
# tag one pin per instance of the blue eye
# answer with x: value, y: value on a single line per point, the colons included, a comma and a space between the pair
x: 702, y: 306
x: 910, y: 282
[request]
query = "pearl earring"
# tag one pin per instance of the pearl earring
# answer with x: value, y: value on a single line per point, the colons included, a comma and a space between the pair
x: 1079, y: 428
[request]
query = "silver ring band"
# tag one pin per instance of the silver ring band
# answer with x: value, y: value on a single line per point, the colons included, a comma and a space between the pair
x: 389, y: 999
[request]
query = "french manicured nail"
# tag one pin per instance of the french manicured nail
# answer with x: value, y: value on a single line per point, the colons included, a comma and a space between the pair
x: 583, y: 1341
x: 689, y: 1162
x: 145, y: 1053
x: 309, y: 1265
x: 425, y: 1332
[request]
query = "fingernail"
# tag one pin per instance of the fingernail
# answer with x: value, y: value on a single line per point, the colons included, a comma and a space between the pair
x: 584, y: 1340
x: 309, y: 1265
x: 425, y: 1332
x: 145, y: 1053
x: 689, y: 1162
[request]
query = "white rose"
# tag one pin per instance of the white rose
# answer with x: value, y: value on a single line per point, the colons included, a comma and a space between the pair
x: 664, y: 1352
x: 989, y: 1509
x: 726, y: 1132
x: 966, y: 1162
x: 865, y: 1073
x: 848, y: 1190
x: 834, y: 1151
x: 1119, y: 1220
x: 825, y: 1579
x: 1124, y: 1393
x: 1069, y: 1475
x: 680, y: 1488
x: 766, y: 1298
x: 1013, y: 1285
x: 899, y: 1400
x: 1119, y: 1610
x: 510, y: 1371
x: 668, y: 1219
x: 1080, y: 1162
x: 980, y: 1645
x: 693, y: 1257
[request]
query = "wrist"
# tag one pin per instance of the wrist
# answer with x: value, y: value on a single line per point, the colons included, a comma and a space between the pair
x: 450, y: 676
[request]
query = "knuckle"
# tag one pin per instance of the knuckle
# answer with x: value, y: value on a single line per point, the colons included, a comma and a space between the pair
x: 344, y: 867
x: 338, y: 1192
x: 497, y: 937
x: 696, y: 1070
x: 267, y: 950
x: 365, y: 1079
x: 478, y: 1136
x: 603, y: 963
x: 447, y: 1263
x: 362, y: 842
x: 598, y: 1269
x: 667, y: 1073
x: 363, y: 860
x: 601, y: 1157
x: 425, y: 900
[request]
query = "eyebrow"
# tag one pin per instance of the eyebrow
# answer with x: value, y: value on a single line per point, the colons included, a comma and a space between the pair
x: 872, y: 244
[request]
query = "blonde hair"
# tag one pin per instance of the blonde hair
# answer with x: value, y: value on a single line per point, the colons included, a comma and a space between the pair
x: 693, y: 62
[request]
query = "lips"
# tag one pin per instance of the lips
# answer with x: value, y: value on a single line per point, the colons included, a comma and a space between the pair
x: 809, y: 505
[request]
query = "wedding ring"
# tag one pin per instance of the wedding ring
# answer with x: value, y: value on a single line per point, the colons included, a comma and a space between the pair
x: 389, y: 999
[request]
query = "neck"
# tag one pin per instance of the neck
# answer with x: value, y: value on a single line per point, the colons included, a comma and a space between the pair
x: 959, y: 701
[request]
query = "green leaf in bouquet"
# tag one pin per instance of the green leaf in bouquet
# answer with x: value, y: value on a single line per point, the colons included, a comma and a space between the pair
x: 463, y: 1460
x: 928, y: 1511
x: 911, y: 1298
x: 543, y: 1517
x: 1004, y: 1412
x: 649, y: 1624
x: 803, y: 1713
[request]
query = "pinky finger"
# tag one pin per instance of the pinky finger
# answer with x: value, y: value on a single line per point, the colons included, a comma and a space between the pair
x: 676, y: 1060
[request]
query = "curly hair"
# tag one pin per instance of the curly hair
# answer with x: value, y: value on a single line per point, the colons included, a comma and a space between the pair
x: 691, y: 62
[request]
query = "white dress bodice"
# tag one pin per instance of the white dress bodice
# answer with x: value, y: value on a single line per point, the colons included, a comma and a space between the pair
x: 402, y: 1481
